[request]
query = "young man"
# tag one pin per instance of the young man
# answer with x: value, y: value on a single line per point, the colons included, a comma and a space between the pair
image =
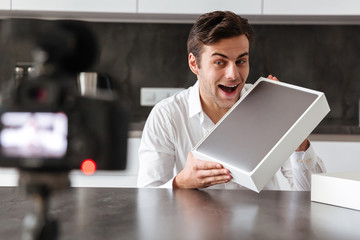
x: 218, y: 48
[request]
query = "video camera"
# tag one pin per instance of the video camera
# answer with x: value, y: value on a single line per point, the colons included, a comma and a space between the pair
x: 47, y: 127
x: 45, y: 124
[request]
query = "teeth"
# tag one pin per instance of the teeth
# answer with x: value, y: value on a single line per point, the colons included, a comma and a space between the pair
x: 232, y: 86
x: 228, y: 89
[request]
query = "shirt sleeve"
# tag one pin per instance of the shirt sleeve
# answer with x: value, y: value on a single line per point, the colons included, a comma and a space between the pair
x: 299, y: 167
x: 156, y: 151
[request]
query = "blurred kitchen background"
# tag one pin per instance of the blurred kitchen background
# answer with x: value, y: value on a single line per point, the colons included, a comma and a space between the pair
x: 314, y: 44
x: 136, y: 55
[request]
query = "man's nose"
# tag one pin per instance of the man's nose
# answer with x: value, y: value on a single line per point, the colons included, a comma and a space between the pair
x: 232, y: 72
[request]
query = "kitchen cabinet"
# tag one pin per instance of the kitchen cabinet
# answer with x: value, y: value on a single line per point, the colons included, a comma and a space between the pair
x: 310, y: 7
x: 186, y: 11
x: 251, y: 7
x: 5, y: 4
x: 115, y: 6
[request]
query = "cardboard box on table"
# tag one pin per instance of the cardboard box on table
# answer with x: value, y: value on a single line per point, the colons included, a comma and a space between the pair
x: 260, y: 132
x: 339, y: 189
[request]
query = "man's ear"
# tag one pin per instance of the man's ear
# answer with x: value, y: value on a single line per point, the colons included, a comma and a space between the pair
x: 192, y: 64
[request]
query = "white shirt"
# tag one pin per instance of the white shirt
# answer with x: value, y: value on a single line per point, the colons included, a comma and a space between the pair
x: 176, y: 124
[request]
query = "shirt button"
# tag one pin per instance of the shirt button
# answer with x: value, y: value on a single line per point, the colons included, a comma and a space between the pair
x: 308, y: 160
x: 300, y: 161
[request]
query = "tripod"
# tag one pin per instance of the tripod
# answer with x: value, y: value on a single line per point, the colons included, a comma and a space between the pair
x: 38, y: 187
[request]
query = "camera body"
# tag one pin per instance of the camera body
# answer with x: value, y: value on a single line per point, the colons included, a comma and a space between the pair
x: 46, y: 125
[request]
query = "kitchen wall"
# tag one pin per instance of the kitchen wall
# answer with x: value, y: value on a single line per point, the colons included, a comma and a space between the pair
x: 135, y: 55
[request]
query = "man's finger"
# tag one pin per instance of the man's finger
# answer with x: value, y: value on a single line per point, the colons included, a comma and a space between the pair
x: 208, y: 165
x: 209, y: 181
x: 273, y: 78
x: 213, y: 172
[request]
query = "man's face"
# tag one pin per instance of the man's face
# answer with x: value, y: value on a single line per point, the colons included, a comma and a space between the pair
x: 224, y: 68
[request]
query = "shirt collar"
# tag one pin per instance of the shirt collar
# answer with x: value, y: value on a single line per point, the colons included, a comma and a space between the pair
x: 194, y: 100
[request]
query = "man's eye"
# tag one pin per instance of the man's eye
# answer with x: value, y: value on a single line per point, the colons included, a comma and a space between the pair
x: 219, y: 63
x: 241, y: 61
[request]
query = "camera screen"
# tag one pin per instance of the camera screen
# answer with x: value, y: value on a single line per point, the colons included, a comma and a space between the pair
x: 33, y: 135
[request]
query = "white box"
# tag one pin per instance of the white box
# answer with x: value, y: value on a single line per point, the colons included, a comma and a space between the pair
x: 339, y: 189
x: 260, y: 132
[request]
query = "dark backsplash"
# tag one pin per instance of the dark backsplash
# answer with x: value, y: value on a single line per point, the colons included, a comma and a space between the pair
x: 321, y: 57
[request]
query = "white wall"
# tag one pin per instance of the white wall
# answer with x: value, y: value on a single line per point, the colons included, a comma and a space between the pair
x: 339, y: 156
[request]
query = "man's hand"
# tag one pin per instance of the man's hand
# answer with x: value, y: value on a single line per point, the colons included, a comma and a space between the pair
x: 201, y: 174
x: 272, y: 77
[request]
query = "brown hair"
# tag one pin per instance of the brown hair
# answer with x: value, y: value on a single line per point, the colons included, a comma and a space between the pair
x: 214, y: 26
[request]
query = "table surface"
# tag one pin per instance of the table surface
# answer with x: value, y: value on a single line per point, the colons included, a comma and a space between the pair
x: 121, y: 213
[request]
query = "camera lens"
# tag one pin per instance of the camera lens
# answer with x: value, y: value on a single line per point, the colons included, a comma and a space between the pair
x: 39, y: 94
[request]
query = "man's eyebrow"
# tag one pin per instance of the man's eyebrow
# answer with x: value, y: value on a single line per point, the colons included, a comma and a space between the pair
x: 224, y: 56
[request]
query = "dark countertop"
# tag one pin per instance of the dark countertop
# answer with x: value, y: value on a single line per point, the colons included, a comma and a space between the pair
x: 108, y: 213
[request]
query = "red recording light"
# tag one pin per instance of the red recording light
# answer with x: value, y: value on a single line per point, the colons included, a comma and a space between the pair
x: 88, y: 167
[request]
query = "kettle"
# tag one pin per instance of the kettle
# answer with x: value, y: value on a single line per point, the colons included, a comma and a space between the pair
x: 90, y: 83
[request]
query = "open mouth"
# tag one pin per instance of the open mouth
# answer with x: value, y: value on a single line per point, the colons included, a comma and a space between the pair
x: 228, y: 89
